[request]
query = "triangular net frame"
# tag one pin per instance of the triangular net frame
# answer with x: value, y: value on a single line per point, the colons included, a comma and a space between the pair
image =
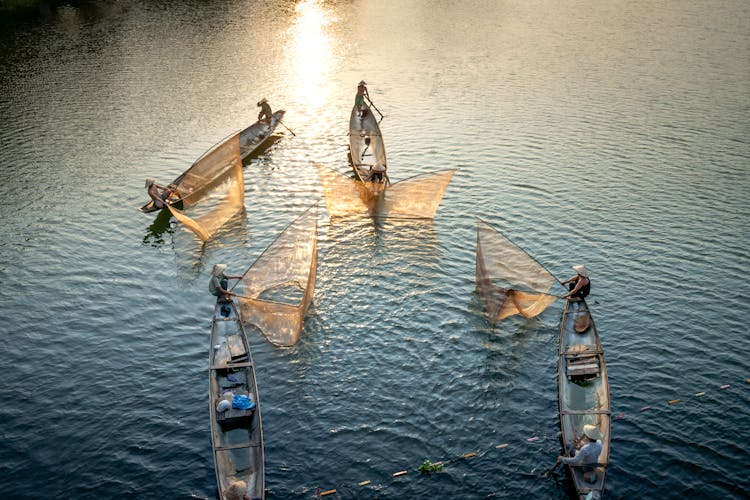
x: 508, y: 279
x: 207, y: 224
x: 415, y: 198
x: 208, y: 170
x: 278, y: 287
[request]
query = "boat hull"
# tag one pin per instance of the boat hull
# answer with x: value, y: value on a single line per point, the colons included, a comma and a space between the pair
x: 251, y: 140
x: 366, y: 148
x: 236, y: 433
x: 583, y: 393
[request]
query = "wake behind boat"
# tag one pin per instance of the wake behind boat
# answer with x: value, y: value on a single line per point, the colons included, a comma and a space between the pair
x: 234, y: 404
x: 366, y: 148
x: 583, y: 394
x: 207, y: 170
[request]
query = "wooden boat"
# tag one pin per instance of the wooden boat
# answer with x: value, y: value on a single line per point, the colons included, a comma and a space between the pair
x: 583, y: 393
x: 212, y: 164
x: 236, y: 433
x: 366, y: 148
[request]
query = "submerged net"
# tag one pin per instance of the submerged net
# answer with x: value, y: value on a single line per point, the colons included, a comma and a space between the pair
x: 208, y: 170
x: 278, y: 288
x: 509, y: 281
x: 418, y: 197
x: 205, y: 224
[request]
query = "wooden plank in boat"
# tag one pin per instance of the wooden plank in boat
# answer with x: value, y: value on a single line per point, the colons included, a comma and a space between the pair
x: 236, y: 347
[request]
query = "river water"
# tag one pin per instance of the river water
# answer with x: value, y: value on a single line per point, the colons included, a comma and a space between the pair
x: 615, y: 134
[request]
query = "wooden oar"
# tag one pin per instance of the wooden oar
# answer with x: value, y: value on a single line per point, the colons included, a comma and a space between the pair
x: 376, y: 109
x: 290, y: 130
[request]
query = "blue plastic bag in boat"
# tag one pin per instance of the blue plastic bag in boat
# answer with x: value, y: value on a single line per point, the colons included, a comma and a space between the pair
x: 242, y: 402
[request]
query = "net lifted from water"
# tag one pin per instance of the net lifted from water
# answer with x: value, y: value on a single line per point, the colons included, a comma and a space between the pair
x: 278, y: 288
x: 216, y: 211
x: 208, y: 170
x: 509, y: 281
x: 414, y: 198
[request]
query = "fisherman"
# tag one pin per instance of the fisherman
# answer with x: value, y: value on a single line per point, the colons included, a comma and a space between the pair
x: 265, y: 111
x: 359, y: 100
x: 237, y: 491
x: 377, y: 173
x: 159, y: 194
x: 586, y: 452
x: 218, y: 285
x: 579, y: 285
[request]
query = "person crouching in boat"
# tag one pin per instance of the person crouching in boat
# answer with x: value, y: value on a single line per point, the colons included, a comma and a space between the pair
x: 586, y: 452
x: 359, y: 99
x: 237, y: 491
x: 579, y: 285
x: 265, y: 111
x: 377, y: 173
x: 218, y: 285
x: 159, y: 194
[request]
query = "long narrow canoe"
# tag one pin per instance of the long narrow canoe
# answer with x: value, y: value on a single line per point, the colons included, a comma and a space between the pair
x: 366, y: 147
x: 215, y: 162
x: 236, y: 433
x: 583, y: 392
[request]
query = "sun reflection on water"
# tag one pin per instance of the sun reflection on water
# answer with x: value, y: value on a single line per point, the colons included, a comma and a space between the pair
x: 310, y: 52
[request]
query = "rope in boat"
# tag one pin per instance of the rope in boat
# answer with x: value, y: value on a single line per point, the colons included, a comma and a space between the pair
x: 319, y: 492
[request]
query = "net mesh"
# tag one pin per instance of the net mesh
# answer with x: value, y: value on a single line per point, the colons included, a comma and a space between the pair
x: 231, y: 192
x: 418, y: 197
x: 278, y: 288
x: 208, y: 170
x: 509, y: 281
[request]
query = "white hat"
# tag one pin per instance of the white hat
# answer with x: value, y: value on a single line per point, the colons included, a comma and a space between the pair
x: 582, y: 270
x: 592, y: 432
x: 149, y: 182
x: 363, y: 82
x: 218, y: 269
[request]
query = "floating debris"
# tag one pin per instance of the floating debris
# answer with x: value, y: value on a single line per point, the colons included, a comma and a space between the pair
x: 645, y: 408
x: 674, y: 401
x: 470, y: 454
x: 364, y: 483
x: 700, y: 394
x: 327, y: 492
x: 725, y: 386
x: 501, y: 446
x: 399, y: 473
x: 532, y: 439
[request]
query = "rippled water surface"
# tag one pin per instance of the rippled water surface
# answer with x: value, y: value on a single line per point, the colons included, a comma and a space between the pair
x: 608, y: 133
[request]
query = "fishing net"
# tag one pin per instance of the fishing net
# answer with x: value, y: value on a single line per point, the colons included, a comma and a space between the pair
x: 208, y: 170
x: 278, y: 288
x: 509, y: 281
x: 417, y: 198
x: 231, y: 196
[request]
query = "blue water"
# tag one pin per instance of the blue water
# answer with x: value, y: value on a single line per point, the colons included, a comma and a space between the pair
x: 613, y: 134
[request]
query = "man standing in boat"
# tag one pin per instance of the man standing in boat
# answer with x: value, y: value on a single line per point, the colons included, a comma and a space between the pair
x: 579, y: 285
x: 265, y: 111
x: 359, y: 99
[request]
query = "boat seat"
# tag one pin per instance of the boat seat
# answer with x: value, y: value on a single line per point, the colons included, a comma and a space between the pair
x: 237, y: 349
x: 233, y: 415
x: 585, y: 367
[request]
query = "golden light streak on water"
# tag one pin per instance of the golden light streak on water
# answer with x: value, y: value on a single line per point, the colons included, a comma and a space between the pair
x: 310, y: 52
